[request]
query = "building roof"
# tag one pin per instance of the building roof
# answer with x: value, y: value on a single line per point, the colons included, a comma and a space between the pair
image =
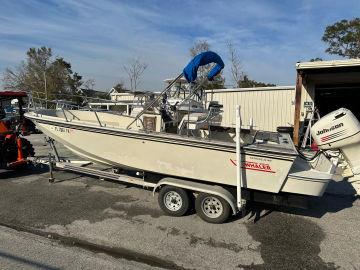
x: 12, y: 94
x: 249, y: 89
x: 113, y: 90
x: 328, y: 64
x: 90, y: 92
x: 133, y: 93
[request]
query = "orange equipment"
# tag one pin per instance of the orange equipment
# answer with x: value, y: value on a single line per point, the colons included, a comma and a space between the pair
x: 14, y: 149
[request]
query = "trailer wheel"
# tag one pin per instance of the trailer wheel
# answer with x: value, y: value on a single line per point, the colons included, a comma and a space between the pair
x: 212, y: 208
x: 174, y: 201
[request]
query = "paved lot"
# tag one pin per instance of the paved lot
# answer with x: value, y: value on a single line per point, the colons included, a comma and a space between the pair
x: 19, y: 250
x: 126, y: 223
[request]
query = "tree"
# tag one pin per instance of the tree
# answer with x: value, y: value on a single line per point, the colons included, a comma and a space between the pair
x: 316, y: 59
x: 103, y: 96
x: 43, y: 76
x: 89, y: 84
x: 120, y: 87
x: 343, y: 38
x: 134, y: 70
x: 246, y: 83
x: 239, y: 77
x: 29, y: 75
x: 235, y: 64
x: 218, y: 81
x: 199, y: 47
x: 74, y: 83
x: 16, y: 79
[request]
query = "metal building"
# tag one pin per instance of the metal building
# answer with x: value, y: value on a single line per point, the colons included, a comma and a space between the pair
x: 327, y: 86
x: 265, y: 108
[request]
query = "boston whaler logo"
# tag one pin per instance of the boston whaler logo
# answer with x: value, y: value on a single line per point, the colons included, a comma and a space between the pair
x: 255, y: 166
x: 333, y: 135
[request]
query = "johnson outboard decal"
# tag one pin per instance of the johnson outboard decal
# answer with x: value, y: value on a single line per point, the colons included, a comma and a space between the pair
x: 325, y: 130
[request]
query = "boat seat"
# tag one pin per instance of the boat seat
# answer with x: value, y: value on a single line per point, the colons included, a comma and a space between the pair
x: 196, y: 121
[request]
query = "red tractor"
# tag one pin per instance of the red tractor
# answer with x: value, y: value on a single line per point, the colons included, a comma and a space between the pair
x: 14, y: 148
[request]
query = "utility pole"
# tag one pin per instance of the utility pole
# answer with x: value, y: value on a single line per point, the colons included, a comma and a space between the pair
x: 46, y: 94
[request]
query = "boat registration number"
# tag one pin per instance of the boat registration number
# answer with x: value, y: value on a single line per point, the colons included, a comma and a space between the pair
x: 62, y: 129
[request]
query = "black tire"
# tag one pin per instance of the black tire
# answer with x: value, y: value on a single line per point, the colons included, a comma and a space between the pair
x: 191, y: 202
x: 174, y: 201
x: 212, y: 208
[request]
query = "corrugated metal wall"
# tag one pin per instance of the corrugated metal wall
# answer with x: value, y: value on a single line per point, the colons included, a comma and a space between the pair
x: 269, y: 107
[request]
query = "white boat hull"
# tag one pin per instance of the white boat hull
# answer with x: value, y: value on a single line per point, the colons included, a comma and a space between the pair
x: 174, y: 155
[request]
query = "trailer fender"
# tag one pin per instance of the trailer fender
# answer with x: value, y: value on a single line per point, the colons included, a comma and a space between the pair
x: 199, y: 187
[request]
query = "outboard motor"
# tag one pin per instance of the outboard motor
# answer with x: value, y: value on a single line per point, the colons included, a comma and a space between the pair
x: 340, y: 129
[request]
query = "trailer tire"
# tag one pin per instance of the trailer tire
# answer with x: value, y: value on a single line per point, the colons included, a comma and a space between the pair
x: 191, y: 201
x: 174, y: 201
x: 212, y: 208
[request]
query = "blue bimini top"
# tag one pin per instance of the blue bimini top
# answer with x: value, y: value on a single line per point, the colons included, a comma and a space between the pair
x: 190, y: 71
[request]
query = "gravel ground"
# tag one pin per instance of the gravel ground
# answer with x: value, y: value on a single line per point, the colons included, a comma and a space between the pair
x: 126, y: 223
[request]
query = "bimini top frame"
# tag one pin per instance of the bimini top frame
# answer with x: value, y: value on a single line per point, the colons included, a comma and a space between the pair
x: 190, y: 74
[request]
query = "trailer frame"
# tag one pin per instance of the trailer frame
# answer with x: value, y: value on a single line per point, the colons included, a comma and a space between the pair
x: 236, y: 202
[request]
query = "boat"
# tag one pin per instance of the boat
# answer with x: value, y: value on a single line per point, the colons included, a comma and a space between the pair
x: 270, y: 163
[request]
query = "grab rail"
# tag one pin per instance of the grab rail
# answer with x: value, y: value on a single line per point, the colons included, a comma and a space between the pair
x: 73, y: 115
x: 156, y: 99
x: 64, y: 114
x: 97, y: 117
x: 32, y: 105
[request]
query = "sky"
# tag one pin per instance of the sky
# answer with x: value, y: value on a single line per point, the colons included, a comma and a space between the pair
x: 99, y: 37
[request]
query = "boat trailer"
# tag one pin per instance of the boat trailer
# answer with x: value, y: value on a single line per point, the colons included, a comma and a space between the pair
x: 176, y: 195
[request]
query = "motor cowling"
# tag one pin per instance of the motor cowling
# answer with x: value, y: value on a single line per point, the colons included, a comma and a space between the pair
x: 340, y: 129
